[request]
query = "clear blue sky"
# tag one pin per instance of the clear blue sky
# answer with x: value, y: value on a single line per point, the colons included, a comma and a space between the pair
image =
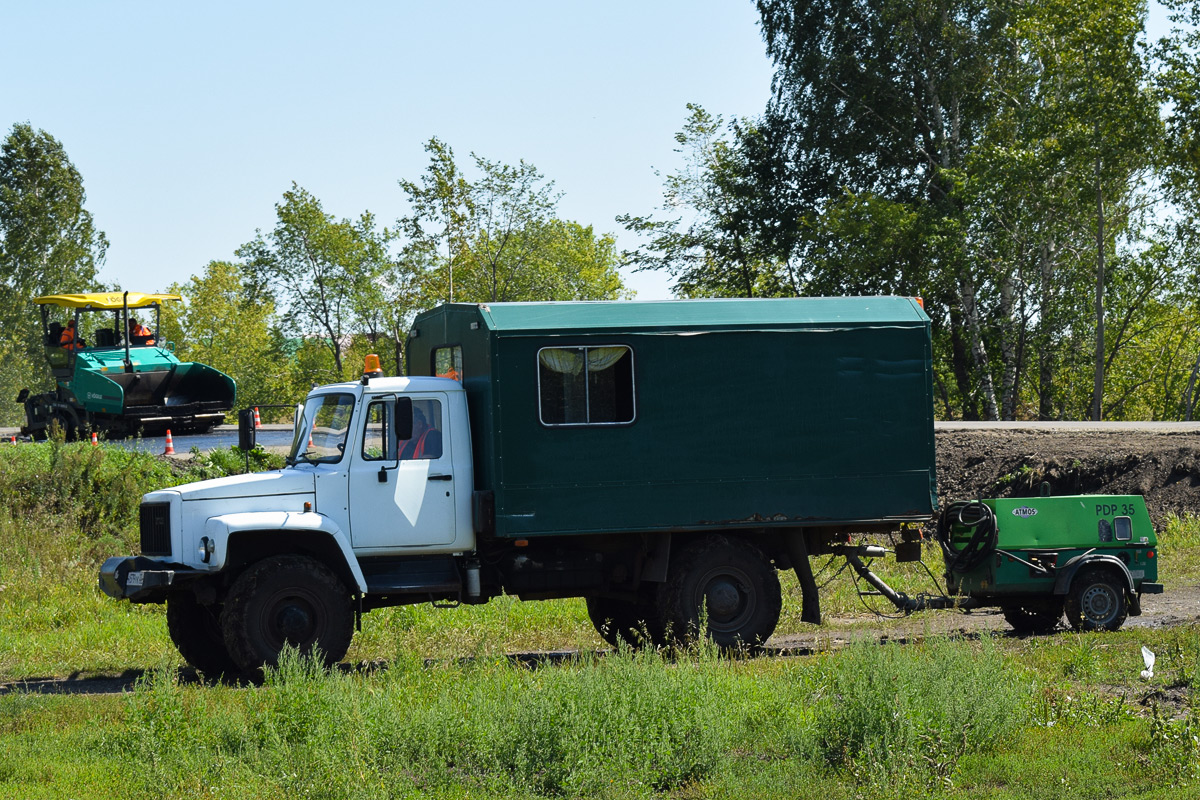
x: 188, y: 122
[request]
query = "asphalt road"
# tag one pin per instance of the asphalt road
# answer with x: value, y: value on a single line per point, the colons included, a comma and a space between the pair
x: 271, y: 437
x: 278, y: 437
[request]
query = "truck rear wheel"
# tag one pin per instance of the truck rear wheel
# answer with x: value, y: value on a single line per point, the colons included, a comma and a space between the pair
x: 732, y: 583
x: 633, y: 622
x: 1096, y: 601
x: 286, y: 600
x: 196, y: 631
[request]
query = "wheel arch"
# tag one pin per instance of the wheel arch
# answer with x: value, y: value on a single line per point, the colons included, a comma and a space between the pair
x: 246, y: 547
x: 1066, y: 575
x: 241, y: 538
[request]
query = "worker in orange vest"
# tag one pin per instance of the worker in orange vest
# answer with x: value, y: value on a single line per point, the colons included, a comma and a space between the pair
x: 139, y: 333
x: 426, y: 441
x: 70, y: 337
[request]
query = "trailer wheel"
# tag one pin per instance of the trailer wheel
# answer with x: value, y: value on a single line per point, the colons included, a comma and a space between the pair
x: 735, y: 586
x: 286, y: 600
x: 196, y: 631
x: 1034, y: 618
x: 1096, y: 601
x: 633, y: 622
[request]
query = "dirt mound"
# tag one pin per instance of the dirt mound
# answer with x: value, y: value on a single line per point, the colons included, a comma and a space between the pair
x: 1162, y: 466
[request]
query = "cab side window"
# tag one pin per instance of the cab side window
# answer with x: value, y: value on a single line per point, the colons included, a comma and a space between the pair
x: 426, y: 441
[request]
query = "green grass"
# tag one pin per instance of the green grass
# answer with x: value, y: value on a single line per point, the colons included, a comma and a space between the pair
x: 943, y: 718
x: 442, y: 712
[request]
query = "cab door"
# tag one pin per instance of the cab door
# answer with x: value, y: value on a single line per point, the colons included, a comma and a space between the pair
x: 402, y: 489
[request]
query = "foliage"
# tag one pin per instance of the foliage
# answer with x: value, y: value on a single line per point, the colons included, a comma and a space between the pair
x: 48, y: 244
x: 716, y: 249
x: 224, y: 323
x: 232, y: 460
x: 995, y: 158
x: 942, y: 718
x: 318, y: 266
x: 496, y: 239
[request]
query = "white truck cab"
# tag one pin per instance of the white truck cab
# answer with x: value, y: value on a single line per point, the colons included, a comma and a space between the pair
x: 377, y: 493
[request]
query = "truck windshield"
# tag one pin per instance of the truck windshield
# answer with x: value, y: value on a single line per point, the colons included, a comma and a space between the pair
x: 320, y: 435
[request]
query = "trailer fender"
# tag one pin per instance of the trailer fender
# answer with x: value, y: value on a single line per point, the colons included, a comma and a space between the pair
x: 1066, y: 574
x: 307, y: 526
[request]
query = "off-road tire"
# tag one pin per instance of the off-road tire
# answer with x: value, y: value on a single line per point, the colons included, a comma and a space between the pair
x: 286, y: 600
x: 732, y: 582
x: 1096, y: 600
x: 196, y: 631
x: 636, y: 623
x: 1035, y: 618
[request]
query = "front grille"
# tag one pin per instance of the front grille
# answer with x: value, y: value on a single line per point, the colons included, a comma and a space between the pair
x: 156, y: 529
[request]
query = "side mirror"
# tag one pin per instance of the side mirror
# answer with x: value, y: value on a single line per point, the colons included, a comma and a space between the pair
x: 404, y: 418
x: 246, y: 433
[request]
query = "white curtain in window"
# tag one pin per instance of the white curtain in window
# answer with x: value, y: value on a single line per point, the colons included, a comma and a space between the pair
x: 567, y: 362
x: 601, y: 358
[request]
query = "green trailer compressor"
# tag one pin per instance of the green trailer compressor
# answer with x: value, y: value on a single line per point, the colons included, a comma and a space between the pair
x: 1091, y: 557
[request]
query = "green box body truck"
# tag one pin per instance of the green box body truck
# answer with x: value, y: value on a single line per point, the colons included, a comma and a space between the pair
x: 686, y: 417
x: 662, y: 460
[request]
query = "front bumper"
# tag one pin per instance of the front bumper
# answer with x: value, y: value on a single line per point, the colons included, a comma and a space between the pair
x: 142, y: 580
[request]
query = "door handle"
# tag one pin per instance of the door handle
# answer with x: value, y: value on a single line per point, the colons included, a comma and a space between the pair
x: 441, y: 477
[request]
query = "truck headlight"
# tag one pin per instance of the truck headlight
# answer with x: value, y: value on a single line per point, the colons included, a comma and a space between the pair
x: 206, y: 549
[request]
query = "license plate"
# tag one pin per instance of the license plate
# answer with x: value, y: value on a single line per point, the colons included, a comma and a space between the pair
x: 134, y: 580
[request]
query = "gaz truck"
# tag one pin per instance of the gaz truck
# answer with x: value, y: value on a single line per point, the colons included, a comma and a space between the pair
x: 662, y: 460
x: 114, y: 378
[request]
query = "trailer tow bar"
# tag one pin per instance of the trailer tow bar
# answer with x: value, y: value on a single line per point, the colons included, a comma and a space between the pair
x: 854, y: 554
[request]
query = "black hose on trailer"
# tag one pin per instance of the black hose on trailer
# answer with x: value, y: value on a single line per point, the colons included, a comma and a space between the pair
x: 981, y: 520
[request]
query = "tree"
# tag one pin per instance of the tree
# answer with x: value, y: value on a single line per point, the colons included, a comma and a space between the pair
x: 223, y: 323
x: 709, y: 243
x: 317, y: 266
x: 496, y: 238
x: 48, y: 244
x: 986, y: 156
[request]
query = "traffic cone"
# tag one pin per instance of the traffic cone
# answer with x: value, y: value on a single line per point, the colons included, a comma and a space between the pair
x: 14, y: 440
x: 170, y: 451
x: 257, y: 421
x: 95, y: 439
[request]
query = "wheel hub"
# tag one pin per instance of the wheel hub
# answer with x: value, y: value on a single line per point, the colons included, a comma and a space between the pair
x: 294, y: 623
x: 724, y: 599
x: 1098, y: 603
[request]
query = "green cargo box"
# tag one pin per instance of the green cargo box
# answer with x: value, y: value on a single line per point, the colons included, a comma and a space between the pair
x: 692, y: 415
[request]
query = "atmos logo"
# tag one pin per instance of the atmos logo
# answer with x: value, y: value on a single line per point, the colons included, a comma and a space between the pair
x: 1025, y: 512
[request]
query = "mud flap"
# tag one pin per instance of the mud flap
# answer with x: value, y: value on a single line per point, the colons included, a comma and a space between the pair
x: 810, y: 599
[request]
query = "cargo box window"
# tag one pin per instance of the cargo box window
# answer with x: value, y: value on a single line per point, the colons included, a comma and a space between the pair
x: 447, y: 362
x: 585, y: 385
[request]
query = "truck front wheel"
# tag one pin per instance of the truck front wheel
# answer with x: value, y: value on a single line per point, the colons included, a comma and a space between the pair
x: 1096, y: 601
x: 286, y: 600
x: 196, y: 631
x: 732, y: 583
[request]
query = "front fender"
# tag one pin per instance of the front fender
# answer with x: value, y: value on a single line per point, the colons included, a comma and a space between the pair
x: 220, y: 528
